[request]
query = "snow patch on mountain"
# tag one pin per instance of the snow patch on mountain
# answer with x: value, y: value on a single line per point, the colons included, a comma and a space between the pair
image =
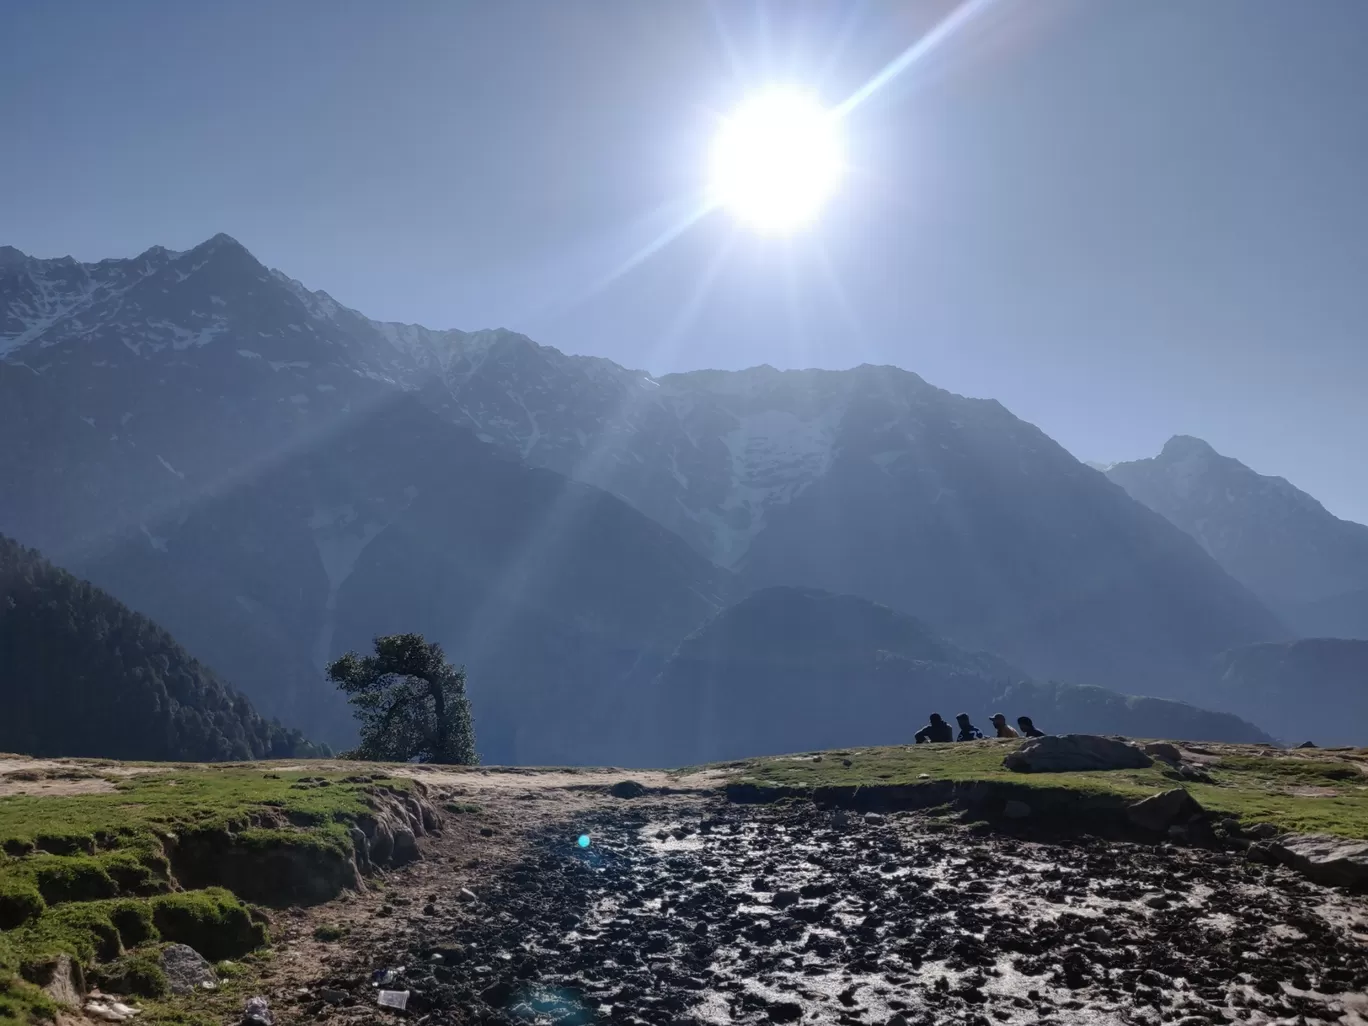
x: 774, y: 456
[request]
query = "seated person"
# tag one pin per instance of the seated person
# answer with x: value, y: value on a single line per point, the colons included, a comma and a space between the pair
x: 936, y: 730
x: 1004, y: 729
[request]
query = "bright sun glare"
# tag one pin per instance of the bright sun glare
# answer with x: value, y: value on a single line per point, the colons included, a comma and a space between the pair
x: 776, y: 160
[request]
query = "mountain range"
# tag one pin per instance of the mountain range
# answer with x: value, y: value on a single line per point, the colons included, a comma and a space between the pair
x: 275, y: 478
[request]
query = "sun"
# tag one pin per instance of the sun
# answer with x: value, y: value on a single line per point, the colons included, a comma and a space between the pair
x: 776, y: 160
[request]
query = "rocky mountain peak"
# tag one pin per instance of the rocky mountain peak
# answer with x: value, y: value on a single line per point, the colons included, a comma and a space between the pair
x: 1186, y: 447
x: 1267, y: 533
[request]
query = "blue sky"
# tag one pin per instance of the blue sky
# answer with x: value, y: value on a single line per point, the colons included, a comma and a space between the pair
x: 1123, y: 220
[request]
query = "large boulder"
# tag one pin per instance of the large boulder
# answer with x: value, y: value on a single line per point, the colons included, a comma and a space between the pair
x: 1066, y: 753
x: 186, y: 969
x: 1324, y: 858
x: 1160, y: 811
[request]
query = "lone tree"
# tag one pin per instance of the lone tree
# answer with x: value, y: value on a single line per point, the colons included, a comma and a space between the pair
x: 411, y: 702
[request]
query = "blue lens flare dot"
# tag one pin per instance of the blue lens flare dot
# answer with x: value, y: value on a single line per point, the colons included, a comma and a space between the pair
x: 583, y: 841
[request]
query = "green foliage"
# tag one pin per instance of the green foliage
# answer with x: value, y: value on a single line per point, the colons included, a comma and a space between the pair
x: 133, y: 873
x: 19, y: 902
x: 133, y: 920
x: 75, y: 878
x: 84, y: 929
x: 212, y: 921
x: 329, y: 932
x: 410, y: 701
x: 64, y: 843
x: 136, y: 973
x: 462, y: 808
x: 23, y: 1003
x: 85, y: 675
x: 1309, y: 771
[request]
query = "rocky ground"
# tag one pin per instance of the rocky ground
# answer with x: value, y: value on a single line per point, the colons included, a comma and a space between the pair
x: 684, y: 908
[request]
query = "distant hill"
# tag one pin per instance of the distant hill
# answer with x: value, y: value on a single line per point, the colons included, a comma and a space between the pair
x: 796, y: 669
x: 83, y: 675
x: 559, y: 598
x: 1315, y: 689
x: 1306, y: 564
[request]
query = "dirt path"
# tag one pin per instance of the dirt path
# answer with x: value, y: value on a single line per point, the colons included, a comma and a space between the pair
x: 685, y: 909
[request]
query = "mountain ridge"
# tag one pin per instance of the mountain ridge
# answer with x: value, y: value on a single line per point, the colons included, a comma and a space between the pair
x: 1283, y: 544
x: 184, y: 377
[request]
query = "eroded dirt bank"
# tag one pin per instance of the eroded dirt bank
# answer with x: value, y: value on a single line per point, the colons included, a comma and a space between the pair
x: 685, y: 908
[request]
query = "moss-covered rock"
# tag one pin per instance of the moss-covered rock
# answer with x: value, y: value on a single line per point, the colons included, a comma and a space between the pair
x: 276, y: 867
x: 19, y: 903
x: 74, y: 878
x: 212, y: 921
x: 139, y: 973
x: 133, y: 919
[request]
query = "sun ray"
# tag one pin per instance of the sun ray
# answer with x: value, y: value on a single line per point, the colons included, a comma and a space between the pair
x: 939, y: 33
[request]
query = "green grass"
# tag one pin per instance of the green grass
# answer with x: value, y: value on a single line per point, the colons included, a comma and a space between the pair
x: 1303, y: 792
x: 89, y: 875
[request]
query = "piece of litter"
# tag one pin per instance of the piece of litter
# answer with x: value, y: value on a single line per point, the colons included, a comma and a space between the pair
x: 258, y: 1012
x: 394, y: 999
x: 466, y: 894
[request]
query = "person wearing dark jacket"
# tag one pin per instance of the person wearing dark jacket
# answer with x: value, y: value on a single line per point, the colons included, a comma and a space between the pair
x: 967, y: 731
x: 1029, y: 729
x: 936, y: 730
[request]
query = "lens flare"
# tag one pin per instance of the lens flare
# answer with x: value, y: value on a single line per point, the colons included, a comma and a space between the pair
x: 583, y: 841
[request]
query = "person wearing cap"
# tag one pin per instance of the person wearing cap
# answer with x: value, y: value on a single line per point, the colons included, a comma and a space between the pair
x: 1029, y: 729
x: 936, y: 730
x: 1004, y: 729
x: 967, y: 731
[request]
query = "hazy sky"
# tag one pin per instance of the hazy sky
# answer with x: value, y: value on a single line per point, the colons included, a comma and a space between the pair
x: 1123, y: 219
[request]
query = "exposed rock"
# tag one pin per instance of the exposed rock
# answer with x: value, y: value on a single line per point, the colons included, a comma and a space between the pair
x: 361, y: 847
x: 61, y: 979
x: 405, y: 847
x: 627, y: 789
x: 1164, y: 752
x: 1307, y: 744
x: 1064, y: 753
x: 1016, y: 810
x: 467, y: 895
x: 1160, y: 811
x: 1335, y: 861
x: 186, y: 969
x: 257, y: 1013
